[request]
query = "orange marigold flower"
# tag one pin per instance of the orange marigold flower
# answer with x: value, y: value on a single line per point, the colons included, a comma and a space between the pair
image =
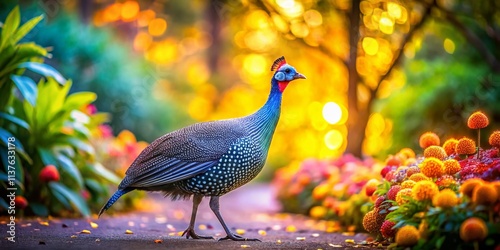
x: 407, y: 184
x: 451, y: 166
x: 473, y: 229
x: 407, y: 152
x: 465, y: 146
x: 495, y: 139
x: 468, y: 186
x: 477, y: 120
x: 436, y: 152
x: 401, y: 196
x: 407, y: 236
x: 450, y: 145
x: 496, y: 185
x: 424, y: 190
x: 428, y: 139
x: 445, y: 199
x: 432, y: 167
x: 371, y: 221
x: 446, y: 181
x: 484, y: 194
x: 318, y: 212
x: 417, y: 177
x: 412, y: 170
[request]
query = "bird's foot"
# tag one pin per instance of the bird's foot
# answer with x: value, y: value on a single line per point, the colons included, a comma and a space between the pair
x: 190, y: 233
x: 236, y: 237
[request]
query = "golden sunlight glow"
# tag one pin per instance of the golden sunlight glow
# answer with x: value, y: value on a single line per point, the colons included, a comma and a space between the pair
x: 113, y: 12
x: 199, y: 108
x: 334, y: 139
x: 449, y: 46
x: 255, y: 64
x: 332, y: 112
x: 257, y: 19
x: 142, y: 41
x: 290, y: 8
x: 370, y: 45
x: 386, y: 24
x: 197, y: 73
x: 376, y: 125
x: 313, y: 18
x: 129, y: 10
x: 145, y: 17
x: 157, y: 26
x: 394, y: 10
x: 299, y: 29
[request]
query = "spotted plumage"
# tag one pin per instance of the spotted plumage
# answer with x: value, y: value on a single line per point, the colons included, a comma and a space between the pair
x: 211, y: 158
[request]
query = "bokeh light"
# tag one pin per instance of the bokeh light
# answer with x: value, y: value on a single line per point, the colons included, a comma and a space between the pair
x: 332, y: 112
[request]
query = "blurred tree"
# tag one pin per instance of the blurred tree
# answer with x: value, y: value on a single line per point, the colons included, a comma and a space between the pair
x: 376, y: 33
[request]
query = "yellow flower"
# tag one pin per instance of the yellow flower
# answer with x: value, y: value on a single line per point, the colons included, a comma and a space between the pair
x: 424, y: 190
x: 436, y: 152
x: 477, y: 120
x: 451, y: 166
x: 496, y: 185
x: 318, y: 212
x: 428, y: 139
x: 407, y: 152
x: 494, y: 139
x: 407, y: 184
x: 465, y: 146
x: 449, y: 146
x: 407, y: 236
x: 432, y: 167
x: 473, y: 229
x: 468, y: 186
x: 418, y: 177
x: 445, y: 199
x: 484, y: 194
x: 400, y: 197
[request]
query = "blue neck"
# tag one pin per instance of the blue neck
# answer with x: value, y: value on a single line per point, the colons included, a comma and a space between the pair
x: 264, y: 121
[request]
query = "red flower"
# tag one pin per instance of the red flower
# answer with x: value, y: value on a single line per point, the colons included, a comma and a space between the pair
x: 49, y: 173
x: 21, y: 202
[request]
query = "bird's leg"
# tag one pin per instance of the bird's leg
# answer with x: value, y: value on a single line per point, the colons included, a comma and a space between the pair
x: 214, y: 205
x: 189, y: 232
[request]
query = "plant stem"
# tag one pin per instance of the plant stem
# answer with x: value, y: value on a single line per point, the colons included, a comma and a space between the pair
x: 478, y: 142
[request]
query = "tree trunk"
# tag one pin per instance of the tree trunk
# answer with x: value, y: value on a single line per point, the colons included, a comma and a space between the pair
x: 214, y: 20
x: 358, y: 118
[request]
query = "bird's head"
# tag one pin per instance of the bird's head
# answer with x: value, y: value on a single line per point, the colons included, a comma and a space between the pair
x: 285, y: 73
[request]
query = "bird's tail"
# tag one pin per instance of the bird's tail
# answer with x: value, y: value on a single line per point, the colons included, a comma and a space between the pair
x: 114, y: 198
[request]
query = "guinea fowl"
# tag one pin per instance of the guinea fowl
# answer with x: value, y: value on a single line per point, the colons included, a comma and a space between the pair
x: 209, y: 158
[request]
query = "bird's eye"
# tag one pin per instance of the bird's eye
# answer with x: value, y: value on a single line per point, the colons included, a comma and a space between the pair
x: 287, y: 71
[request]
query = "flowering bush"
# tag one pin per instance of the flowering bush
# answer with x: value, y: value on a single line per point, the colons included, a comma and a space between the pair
x: 447, y: 197
x: 328, y: 189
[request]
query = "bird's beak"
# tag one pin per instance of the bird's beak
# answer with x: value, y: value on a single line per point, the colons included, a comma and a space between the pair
x: 299, y: 76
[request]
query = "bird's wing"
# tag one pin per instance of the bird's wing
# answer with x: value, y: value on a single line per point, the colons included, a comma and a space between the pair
x: 183, y: 153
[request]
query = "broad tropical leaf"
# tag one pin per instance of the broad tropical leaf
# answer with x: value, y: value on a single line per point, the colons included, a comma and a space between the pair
x: 27, y: 87
x: 25, y: 28
x: 16, y: 120
x: 73, y: 197
x: 44, y: 70
x: 10, y: 25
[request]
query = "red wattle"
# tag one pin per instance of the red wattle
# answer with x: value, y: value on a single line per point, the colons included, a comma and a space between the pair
x: 282, y: 85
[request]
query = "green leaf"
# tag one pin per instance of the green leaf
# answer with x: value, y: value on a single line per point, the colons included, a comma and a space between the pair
x: 77, y: 201
x: 81, y: 145
x: 27, y: 87
x: 25, y: 51
x: 4, y: 204
x: 26, y: 28
x: 15, y: 120
x: 38, y: 209
x: 70, y: 168
x: 78, y: 100
x: 100, y: 170
x: 48, y: 158
x: 44, y: 70
x: 10, y: 25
